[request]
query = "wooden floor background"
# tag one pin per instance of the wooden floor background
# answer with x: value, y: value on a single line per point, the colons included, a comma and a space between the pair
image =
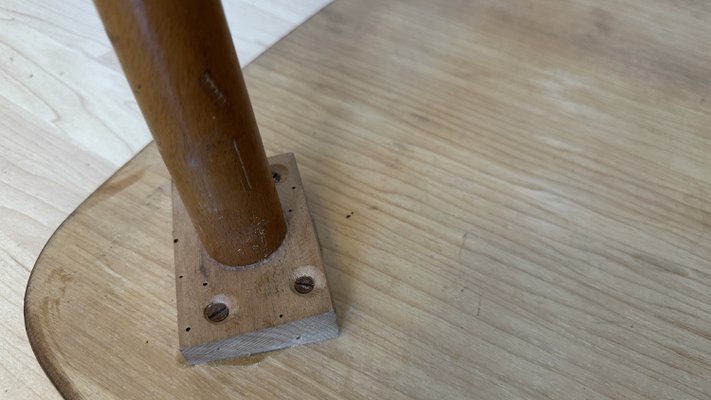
x: 67, y: 122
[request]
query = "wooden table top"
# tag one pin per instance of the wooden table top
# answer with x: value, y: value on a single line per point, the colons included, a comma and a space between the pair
x: 512, y: 198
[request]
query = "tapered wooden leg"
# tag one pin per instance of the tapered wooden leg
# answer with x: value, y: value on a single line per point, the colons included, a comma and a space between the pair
x: 248, y: 266
x: 179, y: 58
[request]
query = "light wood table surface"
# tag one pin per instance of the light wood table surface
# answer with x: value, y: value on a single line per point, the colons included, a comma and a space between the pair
x: 67, y: 122
x: 512, y: 198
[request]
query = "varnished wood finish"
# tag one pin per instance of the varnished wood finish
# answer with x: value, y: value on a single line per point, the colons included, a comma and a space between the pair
x: 512, y: 198
x: 69, y: 121
x: 183, y: 69
x: 261, y: 310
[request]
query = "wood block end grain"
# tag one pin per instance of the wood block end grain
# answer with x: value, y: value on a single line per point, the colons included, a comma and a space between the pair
x: 308, y: 330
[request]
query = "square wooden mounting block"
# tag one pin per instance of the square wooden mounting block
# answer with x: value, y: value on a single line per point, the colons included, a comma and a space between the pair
x: 263, y: 309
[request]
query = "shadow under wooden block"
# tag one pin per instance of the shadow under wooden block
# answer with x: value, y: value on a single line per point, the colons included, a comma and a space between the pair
x: 283, y: 301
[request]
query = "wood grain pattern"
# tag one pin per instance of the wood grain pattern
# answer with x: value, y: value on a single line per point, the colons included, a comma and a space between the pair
x: 261, y: 308
x: 69, y: 121
x: 512, y: 198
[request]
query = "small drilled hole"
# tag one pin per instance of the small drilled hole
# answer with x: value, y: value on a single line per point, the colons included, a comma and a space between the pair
x: 281, y: 315
x: 304, y: 284
x: 175, y: 240
x: 293, y: 187
x: 290, y: 210
x: 216, y: 312
x: 180, y: 276
x: 187, y: 329
x: 298, y: 338
x: 280, y: 173
x: 204, y: 283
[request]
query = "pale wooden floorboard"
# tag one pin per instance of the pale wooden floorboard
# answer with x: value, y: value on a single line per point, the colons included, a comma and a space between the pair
x: 67, y: 122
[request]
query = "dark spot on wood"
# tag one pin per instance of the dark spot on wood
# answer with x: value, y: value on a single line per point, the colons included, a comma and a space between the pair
x: 349, y: 215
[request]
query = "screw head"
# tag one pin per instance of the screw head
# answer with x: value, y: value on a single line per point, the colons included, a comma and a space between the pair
x: 304, y: 284
x: 216, y: 312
